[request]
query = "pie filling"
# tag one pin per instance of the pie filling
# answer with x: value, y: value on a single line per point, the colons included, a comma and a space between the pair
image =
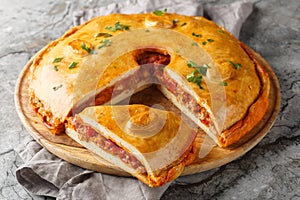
x: 158, y: 60
x: 184, y: 98
x: 88, y: 134
x: 51, y: 122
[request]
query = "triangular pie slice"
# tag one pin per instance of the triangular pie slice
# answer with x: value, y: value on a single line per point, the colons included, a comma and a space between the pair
x: 151, y: 144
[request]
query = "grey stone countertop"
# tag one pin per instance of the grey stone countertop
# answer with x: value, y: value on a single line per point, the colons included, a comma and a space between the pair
x: 271, y: 170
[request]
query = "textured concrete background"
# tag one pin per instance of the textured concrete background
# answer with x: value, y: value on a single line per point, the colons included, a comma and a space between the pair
x: 270, y: 171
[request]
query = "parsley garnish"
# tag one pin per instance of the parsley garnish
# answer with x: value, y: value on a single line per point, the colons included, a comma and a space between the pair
x: 235, y: 65
x: 111, y: 28
x: 55, y: 68
x: 208, y: 40
x: 159, y: 12
x: 105, y: 35
x: 191, y: 76
x: 197, y: 75
x: 175, y: 21
x: 223, y: 83
x: 192, y: 64
x: 195, y: 79
x: 195, y: 44
x: 105, y: 43
x: 196, y: 35
x: 56, y: 60
x: 89, y: 50
x: 220, y: 31
x: 57, y: 87
x: 72, y: 65
x: 203, y: 69
x: 183, y: 24
x: 117, y: 26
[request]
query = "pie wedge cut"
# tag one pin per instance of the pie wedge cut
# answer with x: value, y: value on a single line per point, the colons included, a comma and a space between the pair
x: 151, y: 144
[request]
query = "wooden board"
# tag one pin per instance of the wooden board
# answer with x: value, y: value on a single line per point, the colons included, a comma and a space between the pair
x: 67, y: 149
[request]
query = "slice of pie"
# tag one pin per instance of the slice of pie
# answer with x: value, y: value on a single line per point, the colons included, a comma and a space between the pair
x: 151, y: 144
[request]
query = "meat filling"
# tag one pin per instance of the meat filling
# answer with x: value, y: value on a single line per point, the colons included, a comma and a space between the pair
x: 54, y: 124
x: 87, y: 133
x: 157, y: 61
x: 184, y: 97
x: 152, y: 57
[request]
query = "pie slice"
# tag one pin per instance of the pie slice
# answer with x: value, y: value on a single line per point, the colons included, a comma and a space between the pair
x: 151, y: 144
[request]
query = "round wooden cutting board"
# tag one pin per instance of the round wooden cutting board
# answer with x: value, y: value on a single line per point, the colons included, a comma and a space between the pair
x: 210, y: 156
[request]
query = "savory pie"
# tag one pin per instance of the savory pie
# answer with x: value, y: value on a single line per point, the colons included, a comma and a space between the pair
x: 205, y: 71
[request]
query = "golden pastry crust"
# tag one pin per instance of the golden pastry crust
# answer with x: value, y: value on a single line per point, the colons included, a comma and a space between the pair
x: 148, y: 129
x: 54, y: 84
x: 256, y: 111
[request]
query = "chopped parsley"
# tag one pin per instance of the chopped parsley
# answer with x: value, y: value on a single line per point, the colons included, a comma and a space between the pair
x: 192, y: 64
x: 55, y: 67
x: 195, y: 44
x: 191, y: 77
x: 175, y: 21
x: 87, y: 49
x: 57, y: 60
x: 195, y: 78
x: 117, y: 26
x: 197, y: 75
x: 57, y: 87
x: 183, y: 24
x: 105, y: 35
x: 196, y: 35
x: 203, y: 69
x: 72, y: 65
x: 160, y: 12
x: 104, y: 43
x: 208, y: 40
x: 223, y: 83
x: 220, y: 31
x: 235, y: 65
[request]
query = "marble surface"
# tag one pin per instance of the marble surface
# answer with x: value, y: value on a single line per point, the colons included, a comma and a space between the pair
x: 269, y: 171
